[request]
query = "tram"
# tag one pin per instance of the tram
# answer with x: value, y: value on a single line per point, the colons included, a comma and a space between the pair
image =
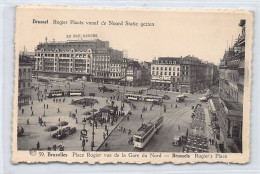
x: 135, y: 97
x: 56, y: 93
x: 75, y: 92
x: 146, y: 132
x: 145, y: 98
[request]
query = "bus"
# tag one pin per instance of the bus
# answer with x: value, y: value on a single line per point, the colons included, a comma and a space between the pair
x: 56, y: 93
x: 75, y: 92
x: 146, y: 132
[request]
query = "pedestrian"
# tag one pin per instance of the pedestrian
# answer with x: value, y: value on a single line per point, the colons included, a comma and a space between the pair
x: 176, y: 106
x: 44, y: 124
x: 104, y: 135
x: 129, y: 132
x: 31, y: 108
x: 141, y: 116
x: 44, y: 106
x: 58, y: 110
x: 124, y: 131
x: 32, y: 114
x: 38, y: 145
x: 54, y: 147
x: 83, y: 144
x: 76, y: 120
x: 106, y: 145
x: 107, y: 132
x: 179, y: 128
x: 105, y: 127
x: 47, y: 106
x: 76, y: 111
x: 59, y: 119
x: 28, y: 121
x: 22, y: 110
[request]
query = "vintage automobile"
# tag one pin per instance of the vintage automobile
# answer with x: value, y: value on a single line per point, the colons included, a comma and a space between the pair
x: 105, y: 89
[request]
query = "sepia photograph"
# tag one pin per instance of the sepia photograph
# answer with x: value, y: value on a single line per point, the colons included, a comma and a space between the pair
x: 163, y: 85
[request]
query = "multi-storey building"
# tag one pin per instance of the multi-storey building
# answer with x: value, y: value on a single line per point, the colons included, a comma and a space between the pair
x: 91, y: 59
x: 196, y: 74
x: 231, y: 91
x: 165, y: 73
x: 187, y: 74
x: 24, y: 79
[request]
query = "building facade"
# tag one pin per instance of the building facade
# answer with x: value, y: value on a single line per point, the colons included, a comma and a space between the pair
x: 91, y: 59
x: 183, y: 74
x: 24, y: 80
x: 165, y: 73
x: 231, y: 91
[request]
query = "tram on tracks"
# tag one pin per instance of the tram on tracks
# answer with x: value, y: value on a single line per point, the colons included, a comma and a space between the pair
x: 56, y: 93
x: 145, y: 98
x: 75, y: 92
x: 146, y: 132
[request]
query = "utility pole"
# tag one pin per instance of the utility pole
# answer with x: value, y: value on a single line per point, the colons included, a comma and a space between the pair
x: 93, y: 132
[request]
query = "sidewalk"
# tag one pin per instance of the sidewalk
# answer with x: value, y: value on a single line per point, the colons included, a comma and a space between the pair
x: 208, y: 130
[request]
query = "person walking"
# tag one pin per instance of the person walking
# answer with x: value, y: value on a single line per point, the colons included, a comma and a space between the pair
x: 83, y: 144
x: 179, y: 128
x: 38, y: 145
x: 47, y: 106
x: 104, y: 135
x: 22, y: 110
x: 141, y: 116
x: 58, y: 110
x: 129, y: 132
x: 32, y: 114
x: 28, y: 121
x: 44, y: 106
x: 76, y: 111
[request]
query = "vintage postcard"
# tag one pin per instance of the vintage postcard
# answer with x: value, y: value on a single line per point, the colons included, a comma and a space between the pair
x: 132, y: 85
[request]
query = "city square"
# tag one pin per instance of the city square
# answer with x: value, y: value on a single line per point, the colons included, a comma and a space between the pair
x: 89, y: 95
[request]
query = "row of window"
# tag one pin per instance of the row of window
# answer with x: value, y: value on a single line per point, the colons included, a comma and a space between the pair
x: 166, y: 68
x: 64, y: 55
x: 24, y: 85
x: 165, y: 73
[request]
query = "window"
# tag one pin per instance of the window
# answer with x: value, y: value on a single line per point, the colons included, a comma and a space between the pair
x: 173, y: 73
x: 170, y: 73
x: 165, y: 68
x: 161, y: 73
x: 170, y: 68
x: 161, y: 68
x: 178, y: 69
x: 152, y: 72
x: 153, y: 67
x: 24, y: 85
x: 165, y: 73
x: 178, y: 74
x: 157, y: 68
x: 173, y: 68
x: 157, y: 73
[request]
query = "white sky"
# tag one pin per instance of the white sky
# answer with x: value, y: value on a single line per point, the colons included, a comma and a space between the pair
x: 175, y: 34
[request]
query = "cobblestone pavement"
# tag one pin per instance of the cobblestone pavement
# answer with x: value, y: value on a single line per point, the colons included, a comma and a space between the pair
x: 34, y: 132
x: 162, y: 141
